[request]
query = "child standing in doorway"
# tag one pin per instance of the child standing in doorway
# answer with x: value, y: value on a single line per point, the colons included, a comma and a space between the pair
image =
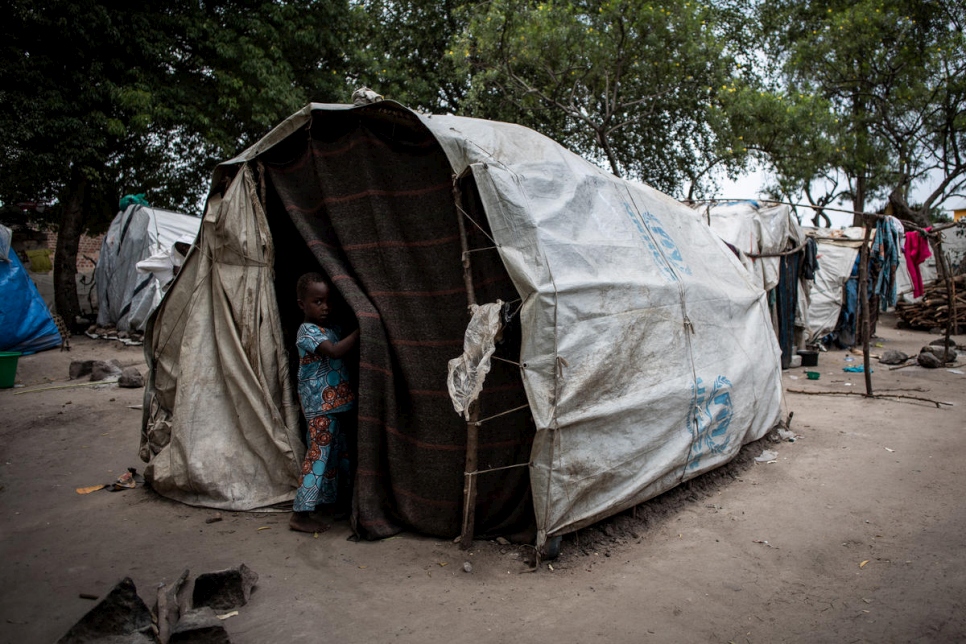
x: 324, y: 393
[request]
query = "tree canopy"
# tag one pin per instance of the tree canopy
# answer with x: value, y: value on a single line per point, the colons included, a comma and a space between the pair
x: 891, y: 73
x: 853, y: 99
x: 636, y: 85
x: 98, y: 99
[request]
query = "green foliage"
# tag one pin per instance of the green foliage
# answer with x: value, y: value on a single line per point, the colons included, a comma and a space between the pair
x: 639, y: 86
x: 147, y: 97
x: 892, y: 75
x: 404, y: 51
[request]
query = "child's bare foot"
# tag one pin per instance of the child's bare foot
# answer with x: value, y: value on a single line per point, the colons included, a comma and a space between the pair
x: 305, y: 522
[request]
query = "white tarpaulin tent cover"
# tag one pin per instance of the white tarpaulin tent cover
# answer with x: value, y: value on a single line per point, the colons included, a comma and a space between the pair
x: 126, y: 298
x: 837, y: 250
x: 648, y: 357
x: 755, y: 229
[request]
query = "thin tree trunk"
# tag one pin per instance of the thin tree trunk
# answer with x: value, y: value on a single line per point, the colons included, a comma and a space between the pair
x: 864, y: 299
x: 858, y: 201
x: 605, y: 146
x: 66, y: 301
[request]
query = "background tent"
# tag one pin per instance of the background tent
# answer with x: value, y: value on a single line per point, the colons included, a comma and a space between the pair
x: 641, y: 351
x: 754, y: 229
x: 25, y: 321
x: 837, y: 253
x: 126, y: 297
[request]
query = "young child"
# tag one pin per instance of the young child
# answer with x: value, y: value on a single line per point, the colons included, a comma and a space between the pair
x: 324, y: 393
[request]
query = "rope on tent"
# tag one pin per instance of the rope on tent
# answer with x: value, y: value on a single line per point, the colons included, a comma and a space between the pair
x: 502, y: 413
x: 476, y: 250
x: 797, y: 249
x: 459, y: 209
x: 505, y: 360
x: 496, y: 469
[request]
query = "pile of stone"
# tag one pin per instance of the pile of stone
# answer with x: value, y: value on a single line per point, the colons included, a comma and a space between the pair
x: 183, y: 612
x: 108, y: 371
x: 931, y: 311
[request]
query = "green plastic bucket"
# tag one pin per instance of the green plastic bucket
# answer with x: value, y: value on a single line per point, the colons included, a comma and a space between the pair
x: 8, y: 368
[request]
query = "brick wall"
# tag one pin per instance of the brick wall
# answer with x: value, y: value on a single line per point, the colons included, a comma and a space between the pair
x: 90, y: 246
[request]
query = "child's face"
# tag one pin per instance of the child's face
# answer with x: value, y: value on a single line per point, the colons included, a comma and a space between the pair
x: 315, y: 303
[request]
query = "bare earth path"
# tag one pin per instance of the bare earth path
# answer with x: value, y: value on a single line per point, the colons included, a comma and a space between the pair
x: 875, y: 481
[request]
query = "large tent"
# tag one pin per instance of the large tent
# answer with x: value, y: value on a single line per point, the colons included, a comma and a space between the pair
x: 636, y: 354
x: 125, y: 296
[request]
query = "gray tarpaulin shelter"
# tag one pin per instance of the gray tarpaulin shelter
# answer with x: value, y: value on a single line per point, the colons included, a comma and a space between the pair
x: 636, y: 350
x: 770, y: 244
x: 126, y: 297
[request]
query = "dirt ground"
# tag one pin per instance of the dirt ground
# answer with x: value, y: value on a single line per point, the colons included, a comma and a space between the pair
x: 856, y: 532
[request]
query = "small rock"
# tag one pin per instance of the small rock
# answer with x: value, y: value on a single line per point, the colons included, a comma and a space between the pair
x: 122, y: 335
x: 131, y: 378
x: 467, y: 566
x: 199, y: 626
x: 928, y: 360
x: 893, y: 357
x: 502, y: 541
x: 80, y: 368
x: 224, y: 589
x: 101, y: 370
x: 941, y: 341
x: 121, y: 616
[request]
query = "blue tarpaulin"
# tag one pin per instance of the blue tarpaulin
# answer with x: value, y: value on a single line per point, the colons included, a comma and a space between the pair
x: 25, y: 322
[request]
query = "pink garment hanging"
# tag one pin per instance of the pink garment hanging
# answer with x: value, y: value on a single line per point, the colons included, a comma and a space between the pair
x: 916, y: 250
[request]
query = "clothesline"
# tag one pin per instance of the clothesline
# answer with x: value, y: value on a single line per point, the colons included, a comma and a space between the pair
x: 934, y: 232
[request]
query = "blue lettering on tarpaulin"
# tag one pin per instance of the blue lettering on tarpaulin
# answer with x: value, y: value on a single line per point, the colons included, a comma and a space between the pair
x: 710, y: 419
x: 668, y: 253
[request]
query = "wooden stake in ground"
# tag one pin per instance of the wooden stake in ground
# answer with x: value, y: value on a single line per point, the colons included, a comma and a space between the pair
x: 864, y: 299
x: 472, y: 429
x: 951, y: 322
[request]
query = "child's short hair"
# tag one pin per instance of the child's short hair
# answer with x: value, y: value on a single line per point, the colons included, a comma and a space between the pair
x: 309, y: 278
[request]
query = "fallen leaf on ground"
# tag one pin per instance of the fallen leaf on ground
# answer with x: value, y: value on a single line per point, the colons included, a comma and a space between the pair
x: 862, y: 565
x: 264, y: 527
x: 90, y: 488
x: 442, y: 563
x: 227, y: 615
x: 889, y: 450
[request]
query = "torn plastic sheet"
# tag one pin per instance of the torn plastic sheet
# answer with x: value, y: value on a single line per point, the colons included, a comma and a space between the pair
x: 466, y: 373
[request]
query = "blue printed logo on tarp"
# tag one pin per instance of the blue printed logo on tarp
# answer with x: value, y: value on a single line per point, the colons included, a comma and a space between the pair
x: 710, y: 419
x: 668, y: 253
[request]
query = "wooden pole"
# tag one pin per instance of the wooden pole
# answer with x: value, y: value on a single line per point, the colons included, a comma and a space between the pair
x: 864, y: 299
x: 951, y: 322
x: 472, y: 429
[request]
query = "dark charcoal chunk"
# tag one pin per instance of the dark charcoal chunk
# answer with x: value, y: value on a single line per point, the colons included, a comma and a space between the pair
x: 224, y: 589
x: 199, y: 626
x: 120, y: 617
